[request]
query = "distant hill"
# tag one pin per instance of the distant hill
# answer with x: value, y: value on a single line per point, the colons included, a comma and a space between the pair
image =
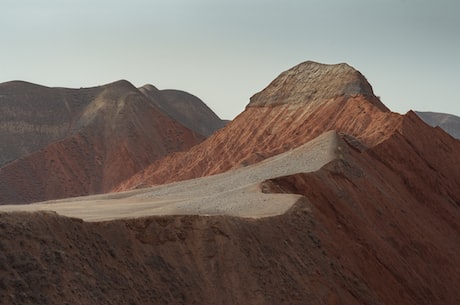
x: 189, y: 110
x: 59, y: 142
x: 450, y: 123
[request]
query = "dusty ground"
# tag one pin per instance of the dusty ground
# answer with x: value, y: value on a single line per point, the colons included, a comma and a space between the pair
x: 236, y: 193
x: 369, y: 227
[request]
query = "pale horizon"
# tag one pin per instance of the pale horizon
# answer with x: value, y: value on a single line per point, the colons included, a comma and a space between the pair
x: 224, y: 52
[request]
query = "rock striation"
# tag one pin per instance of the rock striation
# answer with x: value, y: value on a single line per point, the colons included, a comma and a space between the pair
x: 34, y: 116
x: 59, y: 142
x: 297, y: 106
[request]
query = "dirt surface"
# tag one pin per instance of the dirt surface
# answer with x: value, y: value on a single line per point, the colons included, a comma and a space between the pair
x: 236, y: 193
x: 375, y: 226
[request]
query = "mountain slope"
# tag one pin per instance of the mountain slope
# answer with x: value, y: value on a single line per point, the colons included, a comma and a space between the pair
x: 33, y: 116
x: 450, y: 123
x: 185, y: 108
x: 375, y: 225
x: 296, y: 107
x: 114, y: 133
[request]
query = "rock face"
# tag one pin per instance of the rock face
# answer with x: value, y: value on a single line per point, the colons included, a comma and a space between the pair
x: 71, y: 142
x: 379, y: 223
x: 450, y: 123
x: 312, y: 83
x: 374, y: 226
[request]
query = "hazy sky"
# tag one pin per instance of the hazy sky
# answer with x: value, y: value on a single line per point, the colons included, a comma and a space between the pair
x: 225, y: 51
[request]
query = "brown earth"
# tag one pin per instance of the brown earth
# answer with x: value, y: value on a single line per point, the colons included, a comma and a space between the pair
x: 113, y: 134
x: 377, y: 223
x: 374, y: 226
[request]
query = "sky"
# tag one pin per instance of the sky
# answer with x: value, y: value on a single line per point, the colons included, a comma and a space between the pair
x: 226, y: 51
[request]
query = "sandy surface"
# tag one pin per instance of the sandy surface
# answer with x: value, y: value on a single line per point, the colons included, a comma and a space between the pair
x: 237, y: 192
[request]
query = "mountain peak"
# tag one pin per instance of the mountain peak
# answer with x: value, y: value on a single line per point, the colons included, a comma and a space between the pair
x: 121, y: 84
x: 149, y: 87
x: 312, y: 82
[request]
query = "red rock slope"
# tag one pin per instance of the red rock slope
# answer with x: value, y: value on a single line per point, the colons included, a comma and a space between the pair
x: 91, y: 141
x: 296, y: 107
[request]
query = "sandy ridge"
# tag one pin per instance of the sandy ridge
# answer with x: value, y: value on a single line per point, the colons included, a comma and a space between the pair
x: 236, y: 193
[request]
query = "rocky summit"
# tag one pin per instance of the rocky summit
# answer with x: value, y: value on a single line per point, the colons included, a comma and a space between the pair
x: 312, y: 83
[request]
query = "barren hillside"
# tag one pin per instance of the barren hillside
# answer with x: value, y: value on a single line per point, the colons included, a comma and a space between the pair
x: 296, y: 107
x: 330, y: 199
x: 59, y: 143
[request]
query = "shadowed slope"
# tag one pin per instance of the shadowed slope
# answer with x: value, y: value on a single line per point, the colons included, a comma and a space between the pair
x: 373, y: 218
x: 185, y: 108
x: 114, y: 134
x: 450, y: 123
x: 373, y: 226
x: 33, y: 116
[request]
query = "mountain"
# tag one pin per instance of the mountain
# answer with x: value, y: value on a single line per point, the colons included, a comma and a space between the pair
x: 185, y: 108
x: 450, y: 123
x: 59, y: 142
x: 34, y: 116
x: 296, y: 107
x: 330, y: 199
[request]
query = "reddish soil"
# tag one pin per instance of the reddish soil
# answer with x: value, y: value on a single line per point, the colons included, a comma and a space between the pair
x: 262, y: 132
x: 376, y: 226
